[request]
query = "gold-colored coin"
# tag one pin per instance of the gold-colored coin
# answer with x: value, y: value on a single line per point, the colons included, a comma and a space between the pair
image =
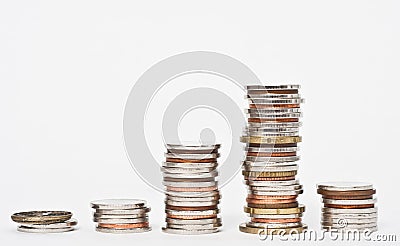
x: 42, y: 217
x: 263, y: 231
x: 269, y: 174
x: 297, y: 210
x: 270, y: 140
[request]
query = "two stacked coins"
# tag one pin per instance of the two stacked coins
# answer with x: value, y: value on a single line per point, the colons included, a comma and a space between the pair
x: 192, y: 195
x: 270, y: 167
x: 121, y: 215
x: 348, y: 206
x: 44, y: 221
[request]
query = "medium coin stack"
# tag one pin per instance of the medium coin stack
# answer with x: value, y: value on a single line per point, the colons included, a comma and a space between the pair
x: 44, y: 221
x: 192, y: 195
x: 270, y: 167
x: 348, y: 206
x: 121, y: 215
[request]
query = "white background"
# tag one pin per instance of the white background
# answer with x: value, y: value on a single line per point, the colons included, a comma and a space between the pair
x: 67, y: 67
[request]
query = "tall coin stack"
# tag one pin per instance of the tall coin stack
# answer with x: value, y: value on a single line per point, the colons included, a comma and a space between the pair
x: 192, y: 195
x: 121, y: 215
x: 44, y: 221
x: 270, y: 167
x: 348, y: 206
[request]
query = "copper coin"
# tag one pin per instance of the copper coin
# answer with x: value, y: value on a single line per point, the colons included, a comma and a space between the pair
x: 178, y: 160
x: 193, y: 151
x: 356, y: 197
x: 192, y: 189
x: 276, y: 205
x: 277, y: 221
x: 257, y: 145
x: 347, y: 193
x: 124, y: 226
x: 261, y: 106
x: 191, y: 208
x: 349, y: 206
x: 269, y: 201
x: 270, y: 178
x: 270, y: 197
x: 270, y: 154
x: 192, y: 217
x: 262, y: 120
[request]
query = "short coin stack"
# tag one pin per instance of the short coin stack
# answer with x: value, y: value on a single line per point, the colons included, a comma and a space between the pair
x: 121, y: 215
x: 44, y: 221
x: 270, y: 166
x: 348, y: 206
x: 192, y: 195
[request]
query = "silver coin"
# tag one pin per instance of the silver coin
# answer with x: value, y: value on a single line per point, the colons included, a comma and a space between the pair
x: 262, y: 101
x: 267, y: 164
x: 274, y: 225
x: 120, y: 231
x: 268, y: 129
x: 193, y: 199
x: 61, y: 225
x: 272, y: 111
x: 276, y: 216
x: 273, y: 159
x: 191, y: 203
x: 340, y: 230
x: 120, y: 221
x: 189, y: 232
x: 271, y: 150
x: 190, y: 165
x: 296, y: 188
x: 118, y: 204
x: 271, y: 134
x: 275, y: 193
x: 190, y: 184
x: 191, y: 175
x: 192, y: 146
x: 192, y: 156
x: 349, y: 216
x: 186, y: 170
x: 119, y: 216
x: 44, y: 230
x: 271, y: 183
x: 275, y: 125
x: 192, y: 213
x: 349, y: 202
x: 273, y: 87
x: 326, y: 220
x: 274, y: 116
x: 271, y: 169
x: 348, y: 226
x: 350, y: 211
x: 193, y: 222
x: 122, y: 211
x: 193, y: 227
x: 193, y: 194
x: 272, y: 96
x: 344, y: 186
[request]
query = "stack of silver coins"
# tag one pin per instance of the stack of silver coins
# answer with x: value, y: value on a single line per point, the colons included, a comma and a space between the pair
x: 121, y: 215
x: 270, y: 166
x: 348, y: 206
x: 191, y: 188
x: 44, y: 221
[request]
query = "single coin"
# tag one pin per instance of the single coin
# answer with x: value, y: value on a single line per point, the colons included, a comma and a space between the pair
x: 124, y: 226
x: 42, y: 217
x: 264, y: 231
x: 270, y: 201
x: 121, y: 231
x: 344, y: 186
x: 275, y: 125
x: 273, y: 226
x: 193, y: 193
x: 193, y: 227
x: 189, y: 208
x: 191, y: 175
x: 44, y: 230
x: 192, y: 146
x: 192, y: 189
x: 274, y: 101
x: 276, y: 216
x: 271, y: 154
x: 273, y: 87
x: 118, y: 204
x: 193, y: 222
x: 274, y: 115
x: 275, y: 193
x: 288, y: 168
x: 349, y: 206
x: 173, y: 170
x: 297, y: 210
x: 192, y: 151
x: 272, y: 159
x: 268, y: 164
x: 271, y: 150
x: 178, y: 160
x: 271, y: 197
x: 192, y: 217
x: 192, y: 156
x: 348, y: 226
x: 269, y: 140
x: 272, y: 183
x: 189, y: 232
x: 274, y: 221
x: 334, y: 221
x: 270, y: 178
x: 361, y: 197
x: 349, y: 216
x: 119, y: 216
x: 350, y: 211
x: 137, y: 211
x: 190, y: 184
x: 273, y: 120
x: 263, y: 91
x: 192, y: 213
x: 349, y: 202
x: 269, y: 174
x: 341, y: 230
x: 274, y: 111
x: 68, y: 223
x: 190, y: 165
x: 191, y: 203
x: 347, y: 193
x: 121, y: 221
x: 296, y: 188
x: 269, y: 106
x: 193, y: 199
x: 275, y: 205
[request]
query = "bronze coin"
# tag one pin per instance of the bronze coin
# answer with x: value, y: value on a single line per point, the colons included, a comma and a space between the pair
x: 356, y: 197
x: 271, y: 154
x: 191, y: 189
x: 276, y: 221
x: 251, y: 196
x: 257, y: 145
x: 179, y: 208
x: 193, y: 151
x: 263, y: 120
x: 269, y: 201
x: 192, y: 217
x: 349, y: 206
x: 347, y: 193
x: 177, y: 160
x: 261, y: 106
x: 270, y: 178
x: 124, y: 226
x: 276, y: 205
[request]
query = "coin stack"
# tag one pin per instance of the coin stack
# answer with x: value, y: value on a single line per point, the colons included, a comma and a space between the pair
x: 348, y: 206
x: 121, y: 215
x: 270, y: 167
x: 192, y: 195
x: 44, y: 221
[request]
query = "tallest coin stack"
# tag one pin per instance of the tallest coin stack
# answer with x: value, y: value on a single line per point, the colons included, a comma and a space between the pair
x: 270, y: 167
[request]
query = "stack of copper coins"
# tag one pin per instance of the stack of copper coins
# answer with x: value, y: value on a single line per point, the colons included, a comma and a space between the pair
x: 348, y: 206
x: 270, y: 167
x: 192, y: 195
x: 121, y: 215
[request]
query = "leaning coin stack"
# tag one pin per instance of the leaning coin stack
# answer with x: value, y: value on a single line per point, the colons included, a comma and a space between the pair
x: 348, y: 206
x: 121, y: 215
x: 44, y: 221
x: 192, y: 195
x: 270, y: 167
